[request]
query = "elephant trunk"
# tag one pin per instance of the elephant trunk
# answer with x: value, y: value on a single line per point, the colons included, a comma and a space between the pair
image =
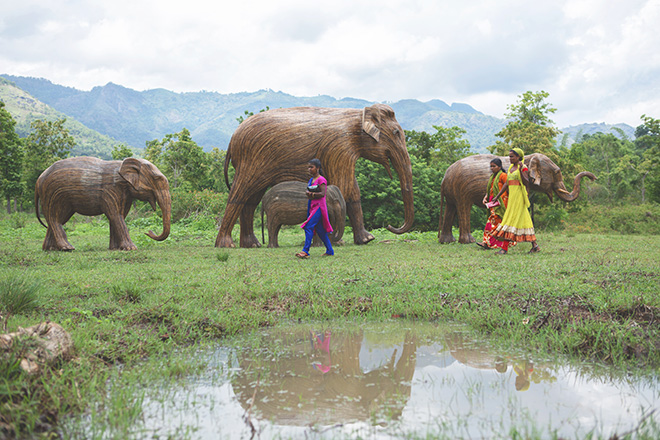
x: 564, y: 195
x: 165, y: 202
x: 401, y: 163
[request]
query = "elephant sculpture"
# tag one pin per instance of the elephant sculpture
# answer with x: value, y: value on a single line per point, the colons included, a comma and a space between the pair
x: 91, y: 186
x: 286, y: 204
x: 464, y: 185
x: 275, y: 146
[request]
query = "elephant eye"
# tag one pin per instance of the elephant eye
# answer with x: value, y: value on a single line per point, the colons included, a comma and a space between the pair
x: 396, y: 131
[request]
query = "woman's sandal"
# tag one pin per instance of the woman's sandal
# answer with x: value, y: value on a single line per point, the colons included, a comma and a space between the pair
x: 302, y: 255
x: 501, y: 252
x: 535, y: 249
x: 327, y: 255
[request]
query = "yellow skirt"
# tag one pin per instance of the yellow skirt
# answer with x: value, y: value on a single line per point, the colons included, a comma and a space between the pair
x: 516, y: 224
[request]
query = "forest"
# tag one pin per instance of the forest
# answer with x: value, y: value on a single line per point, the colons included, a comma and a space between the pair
x: 626, y: 170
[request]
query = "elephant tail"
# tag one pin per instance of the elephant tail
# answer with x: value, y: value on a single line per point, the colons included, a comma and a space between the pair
x: 442, y: 209
x: 36, y: 208
x: 227, y: 160
x: 263, y: 237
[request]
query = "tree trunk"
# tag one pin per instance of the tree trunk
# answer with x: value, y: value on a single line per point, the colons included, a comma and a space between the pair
x: 8, y: 205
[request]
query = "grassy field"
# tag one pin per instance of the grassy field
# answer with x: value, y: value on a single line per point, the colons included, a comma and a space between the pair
x: 592, y: 296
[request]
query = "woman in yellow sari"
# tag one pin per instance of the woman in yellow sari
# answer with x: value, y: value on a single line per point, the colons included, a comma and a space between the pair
x: 516, y: 224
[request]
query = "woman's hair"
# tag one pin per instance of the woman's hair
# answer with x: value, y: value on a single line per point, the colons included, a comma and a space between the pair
x: 497, y: 162
x: 316, y: 163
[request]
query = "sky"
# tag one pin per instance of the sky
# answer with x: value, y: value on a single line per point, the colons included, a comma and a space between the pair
x: 599, y: 60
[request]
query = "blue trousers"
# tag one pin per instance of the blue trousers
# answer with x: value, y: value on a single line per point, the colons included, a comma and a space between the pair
x: 316, y: 224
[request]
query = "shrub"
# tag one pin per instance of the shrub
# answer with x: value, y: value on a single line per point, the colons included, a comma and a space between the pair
x: 186, y: 203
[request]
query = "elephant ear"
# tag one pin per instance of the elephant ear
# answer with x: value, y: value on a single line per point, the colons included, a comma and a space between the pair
x: 130, y: 171
x: 535, y: 170
x: 371, y: 122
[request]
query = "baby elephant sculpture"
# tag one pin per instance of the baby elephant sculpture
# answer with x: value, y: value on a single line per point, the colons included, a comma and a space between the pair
x: 91, y: 186
x: 464, y: 185
x: 286, y: 204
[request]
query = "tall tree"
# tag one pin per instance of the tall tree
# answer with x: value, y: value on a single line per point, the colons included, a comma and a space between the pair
x: 11, y: 158
x: 48, y: 142
x: 179, y: 158
x: 647, y: 158
x: 529, y: 127
x: 440, y: 149
x: 121, y: 152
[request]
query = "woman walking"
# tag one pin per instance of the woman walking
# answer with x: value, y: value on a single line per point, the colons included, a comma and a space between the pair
x: 516, y: 225
x: 317, y: 211
x: 496, y: 206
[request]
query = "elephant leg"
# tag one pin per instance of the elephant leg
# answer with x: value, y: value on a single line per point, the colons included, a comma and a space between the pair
x: 446, y: 224
x: 247, y: 237
x: 273, y: 231
x: 119, y: 237
x: 229, y: 218
x: 465, y: 235
x: 56, y: 239
x: 354, y: 212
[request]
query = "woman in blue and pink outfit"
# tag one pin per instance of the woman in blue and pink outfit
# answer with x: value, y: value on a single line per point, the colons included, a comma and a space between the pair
x: 317, y: 211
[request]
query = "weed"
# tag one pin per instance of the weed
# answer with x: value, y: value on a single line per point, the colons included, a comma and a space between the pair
x: 222, y: 256
x: 19, y: 294
x: 127, y: 291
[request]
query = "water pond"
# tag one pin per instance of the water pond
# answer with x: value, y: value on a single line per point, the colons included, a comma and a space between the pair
x: 382, y: 381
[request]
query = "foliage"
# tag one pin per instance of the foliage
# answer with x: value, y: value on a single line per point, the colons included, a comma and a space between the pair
x: 18, y: 295
x: 248, y: 113
x: 121, y: 152
x: 11, y: 157
x: 529, y: 127
x: 48, y: 142
x: 189, y: 203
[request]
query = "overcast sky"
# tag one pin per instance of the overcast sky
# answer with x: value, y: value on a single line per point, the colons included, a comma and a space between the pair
x: 598, y: 59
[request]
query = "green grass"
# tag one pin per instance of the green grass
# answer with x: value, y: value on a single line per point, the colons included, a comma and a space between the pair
x: 594, y: 297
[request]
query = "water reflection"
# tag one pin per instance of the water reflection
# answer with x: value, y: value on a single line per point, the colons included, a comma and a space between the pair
x: 386, y: 381
x: 317, y: 378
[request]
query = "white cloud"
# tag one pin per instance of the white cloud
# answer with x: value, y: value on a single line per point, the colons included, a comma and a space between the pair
x: 597, y: 59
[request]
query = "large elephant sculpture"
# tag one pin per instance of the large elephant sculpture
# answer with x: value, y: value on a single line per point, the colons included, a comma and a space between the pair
x: 275, y: 146
x: 91, y: 186
x: 464, y: 185
x: 286, y: 204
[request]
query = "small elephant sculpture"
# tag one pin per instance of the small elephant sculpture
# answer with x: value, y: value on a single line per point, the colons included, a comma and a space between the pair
x: 91, y: 186
x: 464, y: 185
x: 286, y: 204
x: 275, y: 146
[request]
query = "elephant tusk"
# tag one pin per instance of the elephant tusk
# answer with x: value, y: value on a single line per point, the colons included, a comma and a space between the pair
x: 563, y: 191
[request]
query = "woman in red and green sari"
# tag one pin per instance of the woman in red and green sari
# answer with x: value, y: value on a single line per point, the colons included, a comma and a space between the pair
x: 496, y: 206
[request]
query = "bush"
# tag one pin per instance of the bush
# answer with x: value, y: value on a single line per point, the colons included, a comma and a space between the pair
x: 205, y: 203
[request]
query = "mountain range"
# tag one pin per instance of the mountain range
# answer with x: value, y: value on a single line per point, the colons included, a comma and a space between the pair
x: 108, y: 115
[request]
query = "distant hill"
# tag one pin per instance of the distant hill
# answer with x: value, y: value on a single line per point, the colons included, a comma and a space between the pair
x: 134, y: 117
x: 25, y: 109
x: 574, y: 132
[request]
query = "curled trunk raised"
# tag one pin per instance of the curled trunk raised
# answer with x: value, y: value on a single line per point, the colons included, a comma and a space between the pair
x: 564, y: 195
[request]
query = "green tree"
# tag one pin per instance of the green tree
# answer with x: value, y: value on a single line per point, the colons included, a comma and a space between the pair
x: 11, y: 158
x: 180, y: 159
x: 48, y: 142
x: 529, y: 127
x: 121, y: 152
x: 647, y: 159
x: 440, y: 149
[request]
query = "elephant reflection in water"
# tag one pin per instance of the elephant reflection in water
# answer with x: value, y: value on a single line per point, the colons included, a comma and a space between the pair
x: 295, y: 387
x: 467, y: 352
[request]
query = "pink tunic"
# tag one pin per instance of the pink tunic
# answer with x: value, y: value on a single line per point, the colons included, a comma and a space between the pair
x: 316, y: 204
